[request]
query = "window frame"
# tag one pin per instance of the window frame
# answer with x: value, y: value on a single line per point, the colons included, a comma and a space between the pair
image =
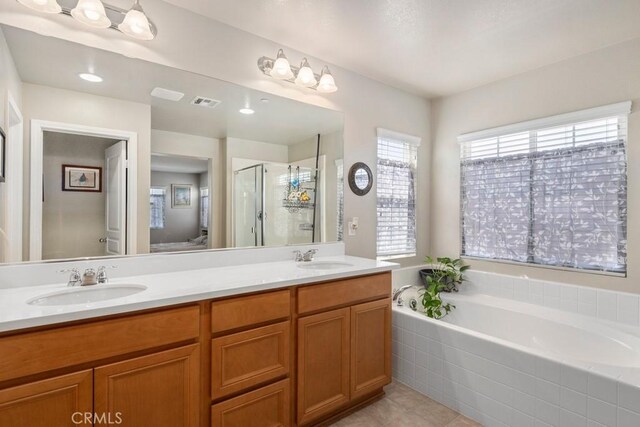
x: 412, y: 141
x: 621, y: 109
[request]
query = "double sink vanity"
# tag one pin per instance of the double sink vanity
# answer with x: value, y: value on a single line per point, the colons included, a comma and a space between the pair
x: 278, y: 343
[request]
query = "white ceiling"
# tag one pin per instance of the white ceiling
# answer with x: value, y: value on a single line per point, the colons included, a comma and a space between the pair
x: 433, y: 47
x: 54, y: 62
x: 178, y: 164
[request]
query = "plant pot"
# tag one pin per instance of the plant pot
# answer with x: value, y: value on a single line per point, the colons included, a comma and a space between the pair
x: 449, y: 286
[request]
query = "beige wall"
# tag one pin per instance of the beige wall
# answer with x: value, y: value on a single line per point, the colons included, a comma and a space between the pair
x: 72, y: 222
x: 194, y: 43
x: 603, y: 77
x: 180, y: 144
x: 9, y: 82
x: 58, y: 105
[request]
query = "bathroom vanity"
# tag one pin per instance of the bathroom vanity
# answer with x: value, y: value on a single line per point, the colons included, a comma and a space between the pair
x: 290, y: 355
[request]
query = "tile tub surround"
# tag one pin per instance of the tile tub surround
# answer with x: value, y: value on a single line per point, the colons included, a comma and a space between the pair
x: 612, y: 306
x: 499, y: 385
x: 179, y: 279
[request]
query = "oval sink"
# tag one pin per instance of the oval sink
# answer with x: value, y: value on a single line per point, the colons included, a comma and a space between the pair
x: 323, y: 265
x: 86, y: 295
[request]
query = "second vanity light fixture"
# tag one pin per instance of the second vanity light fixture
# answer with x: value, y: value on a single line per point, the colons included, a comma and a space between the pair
x: 132, y: 22
x: 281, y: 69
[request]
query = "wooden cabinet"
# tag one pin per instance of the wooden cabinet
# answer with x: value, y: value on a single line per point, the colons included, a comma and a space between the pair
x: 265, y: 407
x: 323, y: 363
x: 60, y: 401
x: 370, y: 347
x: 249, y: 358
x: 160, y: 389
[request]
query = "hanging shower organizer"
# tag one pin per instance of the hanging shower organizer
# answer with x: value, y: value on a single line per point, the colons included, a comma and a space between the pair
x: 300, y: 191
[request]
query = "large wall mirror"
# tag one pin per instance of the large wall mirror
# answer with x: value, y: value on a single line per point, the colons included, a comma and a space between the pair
x: 139, y: 158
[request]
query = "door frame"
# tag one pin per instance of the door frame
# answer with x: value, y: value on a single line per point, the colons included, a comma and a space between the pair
x: 14, y: 182
x: 38, y: 127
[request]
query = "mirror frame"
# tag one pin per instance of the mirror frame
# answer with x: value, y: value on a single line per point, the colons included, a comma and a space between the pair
x: 352, y: 178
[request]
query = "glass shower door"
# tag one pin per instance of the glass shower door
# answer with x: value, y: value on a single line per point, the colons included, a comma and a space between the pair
x: 247, y: 207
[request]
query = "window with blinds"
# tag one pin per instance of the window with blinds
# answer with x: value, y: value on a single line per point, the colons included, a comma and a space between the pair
x: 340, y: 197
x: 396, y: 194
x: 156, y: 208
x: 204, y: 207
x: 550, y: 192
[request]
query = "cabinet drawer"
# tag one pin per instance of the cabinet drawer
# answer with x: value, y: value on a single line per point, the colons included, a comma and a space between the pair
x: 268, y: 406
x: 249, y: 358
x: 249, y: 310
x: 343, y: 292
x: 40, y: 351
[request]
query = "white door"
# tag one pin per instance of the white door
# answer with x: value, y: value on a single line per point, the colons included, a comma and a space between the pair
x: 115, y: 167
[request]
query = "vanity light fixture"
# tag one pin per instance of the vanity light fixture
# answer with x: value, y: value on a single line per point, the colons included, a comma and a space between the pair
x: 98, y: 14
x: 91, y: 13
x: 280, y: 68
x: 90, y: 77
x: 246, y: 111
x: 46, y: 6
x: 136, y: 24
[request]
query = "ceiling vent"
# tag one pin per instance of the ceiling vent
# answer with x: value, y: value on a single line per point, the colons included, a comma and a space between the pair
x: 205, y: 102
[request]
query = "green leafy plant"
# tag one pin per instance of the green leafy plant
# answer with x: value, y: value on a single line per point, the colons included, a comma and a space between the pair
x: 445, y: 276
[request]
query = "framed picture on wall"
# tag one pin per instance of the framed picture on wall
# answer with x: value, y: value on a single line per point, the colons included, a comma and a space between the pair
x: 3, y: 152
x: 81, y: 178
x: 181, y: 196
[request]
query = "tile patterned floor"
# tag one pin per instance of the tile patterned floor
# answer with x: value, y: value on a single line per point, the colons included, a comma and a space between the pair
x: 402, y: 407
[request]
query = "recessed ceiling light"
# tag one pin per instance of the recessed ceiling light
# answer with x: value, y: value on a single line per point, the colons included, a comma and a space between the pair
x: 246, y: 111
x: 90, y: 77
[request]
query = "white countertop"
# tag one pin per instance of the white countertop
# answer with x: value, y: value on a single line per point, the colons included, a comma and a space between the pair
x: 172, y: 288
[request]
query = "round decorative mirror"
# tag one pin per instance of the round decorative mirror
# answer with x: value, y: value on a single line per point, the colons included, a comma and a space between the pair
x: 360, y: 178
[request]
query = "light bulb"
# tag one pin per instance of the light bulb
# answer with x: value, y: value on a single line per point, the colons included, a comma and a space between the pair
x: 281, y: 67
x: 136, y: 24
x: 327, y: 83
x: 305, y: 76
x: 46, y: 6
x: 92, y: 13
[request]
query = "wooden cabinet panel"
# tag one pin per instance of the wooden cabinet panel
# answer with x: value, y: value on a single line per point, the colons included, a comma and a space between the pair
x: 265, y: 407
x: 41, y: 351
x: 249, y: 358
x: 323, y: 363
x: 161, y: 389
x: 370, y: 347
x: 51, y: 402
x: 249, y: 310
x: 343, y: 292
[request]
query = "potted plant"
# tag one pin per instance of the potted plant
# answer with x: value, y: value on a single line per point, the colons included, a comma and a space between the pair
x: 443, y: 276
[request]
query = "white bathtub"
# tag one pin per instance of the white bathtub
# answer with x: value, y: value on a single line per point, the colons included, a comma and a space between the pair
x: 508, y: 363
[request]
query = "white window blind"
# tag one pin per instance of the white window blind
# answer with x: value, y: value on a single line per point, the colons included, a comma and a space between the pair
x: 204, y: 207
x: 396, y: 194
x: 340, y: 197
x: 156, y: 208
x: 554, y: 194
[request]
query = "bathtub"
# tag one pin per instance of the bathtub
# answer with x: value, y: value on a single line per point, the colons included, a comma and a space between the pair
x: 503, y: 362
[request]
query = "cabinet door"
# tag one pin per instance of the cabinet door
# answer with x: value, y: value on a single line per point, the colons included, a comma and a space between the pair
x: 266, y: 407
x: 160, y: 389
x: 323, y: 363
x: 370, y: 347
x: 60, y: 401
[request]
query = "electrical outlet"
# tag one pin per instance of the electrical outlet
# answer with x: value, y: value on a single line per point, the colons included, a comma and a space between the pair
x: 353, y: 226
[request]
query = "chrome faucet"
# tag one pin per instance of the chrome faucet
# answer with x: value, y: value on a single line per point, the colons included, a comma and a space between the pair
x: 102, y: 273
x: 74, y: 276
x: 305, y: 257
x: 398, y: 292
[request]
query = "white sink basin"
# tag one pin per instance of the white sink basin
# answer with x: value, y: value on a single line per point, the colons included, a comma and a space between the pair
x: 79, y: 295
x: 323, y: 265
